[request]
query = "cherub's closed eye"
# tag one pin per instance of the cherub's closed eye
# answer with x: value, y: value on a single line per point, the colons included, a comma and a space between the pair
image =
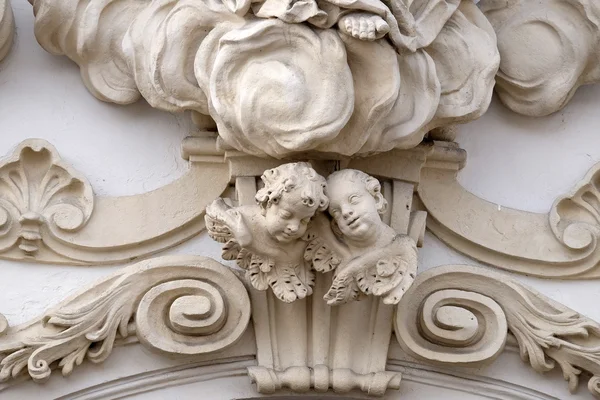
x: 353, y: 199
x: 285, y: 214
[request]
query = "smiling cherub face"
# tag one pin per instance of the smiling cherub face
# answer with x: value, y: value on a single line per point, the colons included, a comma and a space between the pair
x: 355, y: 204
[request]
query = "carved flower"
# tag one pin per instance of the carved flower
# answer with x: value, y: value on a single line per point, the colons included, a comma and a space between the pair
x: 275, y: 87
x: 549, y: 48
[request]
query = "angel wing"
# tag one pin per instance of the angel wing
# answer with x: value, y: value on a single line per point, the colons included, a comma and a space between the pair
x: 343, y: 290
x: 215, y: 221
x: 389, y: 277
x: 287, y: 283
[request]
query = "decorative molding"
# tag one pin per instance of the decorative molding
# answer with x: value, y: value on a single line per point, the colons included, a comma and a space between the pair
x: 197, y: 373
x: 305, y: 344
x: 7, y: 27
x: 48, y: 212
x: 452, y: 315
x: 177, y: 305
x: 559, y: 244
x: 548, y: 49
x: 285, y: 238
x: 40, y: 193
x: 434, y: 65
x: 460, y: 315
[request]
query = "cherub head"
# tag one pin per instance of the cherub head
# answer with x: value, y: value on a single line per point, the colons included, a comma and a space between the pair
x: 355, y: 204
x: 292, y: 194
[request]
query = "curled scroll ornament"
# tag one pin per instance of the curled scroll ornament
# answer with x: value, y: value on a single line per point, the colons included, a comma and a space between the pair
x: 178, y: 305
x: 461, y: 315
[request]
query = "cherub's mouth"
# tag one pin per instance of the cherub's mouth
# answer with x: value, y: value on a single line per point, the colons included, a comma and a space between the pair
x: 353, y: 222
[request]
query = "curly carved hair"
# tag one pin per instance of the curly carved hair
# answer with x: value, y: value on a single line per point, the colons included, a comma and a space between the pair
x: 372, y: 185
x: 288, y: 177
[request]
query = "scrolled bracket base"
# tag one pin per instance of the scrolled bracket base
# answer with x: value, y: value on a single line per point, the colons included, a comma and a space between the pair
x: 321, y: 378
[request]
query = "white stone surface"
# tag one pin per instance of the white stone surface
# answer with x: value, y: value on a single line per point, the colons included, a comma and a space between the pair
x: 515, y: 161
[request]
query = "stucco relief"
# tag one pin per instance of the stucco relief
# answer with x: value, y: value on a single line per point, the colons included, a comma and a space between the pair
x: 285, y: 238
x: 385, y: 73
x: 325, y: 246
x: 49, y: 213
x: 7, y: 27
x: 548, y: 49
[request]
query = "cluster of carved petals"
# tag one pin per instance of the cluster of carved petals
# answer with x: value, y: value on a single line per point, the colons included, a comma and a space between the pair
x: 549, y: 48
x: 275, y: 87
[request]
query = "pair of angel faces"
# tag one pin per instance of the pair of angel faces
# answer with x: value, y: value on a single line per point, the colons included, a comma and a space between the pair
x: 294, y: 193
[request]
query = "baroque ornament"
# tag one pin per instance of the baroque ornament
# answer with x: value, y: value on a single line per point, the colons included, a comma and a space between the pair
x: 562, y: 243
x: 175, y: 305
x: 194, y: 306
x: 548, y: 49
x: 349, y: 78
x: 48, y: 211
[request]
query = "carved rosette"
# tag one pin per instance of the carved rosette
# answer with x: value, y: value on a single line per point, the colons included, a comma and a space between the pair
x: 434, y: 65
x: 460, y: 315
x: 40, y: 195
x: 548, y: 49
x: 178, y: 305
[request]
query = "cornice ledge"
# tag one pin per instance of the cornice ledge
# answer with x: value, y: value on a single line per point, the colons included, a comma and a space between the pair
x: 7, y: 27
x: 48, y: 212
x: 561, y: 244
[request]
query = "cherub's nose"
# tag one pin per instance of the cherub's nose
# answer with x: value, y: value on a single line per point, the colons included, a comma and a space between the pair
x: 347, y: 212
x: 292, y: 228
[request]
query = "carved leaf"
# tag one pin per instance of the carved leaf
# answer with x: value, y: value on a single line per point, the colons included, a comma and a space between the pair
x: 322, y: 257
x: 343, y: 290
x: 89, y: 325
x: 38, y: 190
x: 231, y: 250
x: 257, y: 278
x: 286, y: 285
x: 548, y: 333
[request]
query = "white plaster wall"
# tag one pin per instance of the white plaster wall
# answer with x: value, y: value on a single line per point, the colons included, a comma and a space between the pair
x: 514, y: 161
